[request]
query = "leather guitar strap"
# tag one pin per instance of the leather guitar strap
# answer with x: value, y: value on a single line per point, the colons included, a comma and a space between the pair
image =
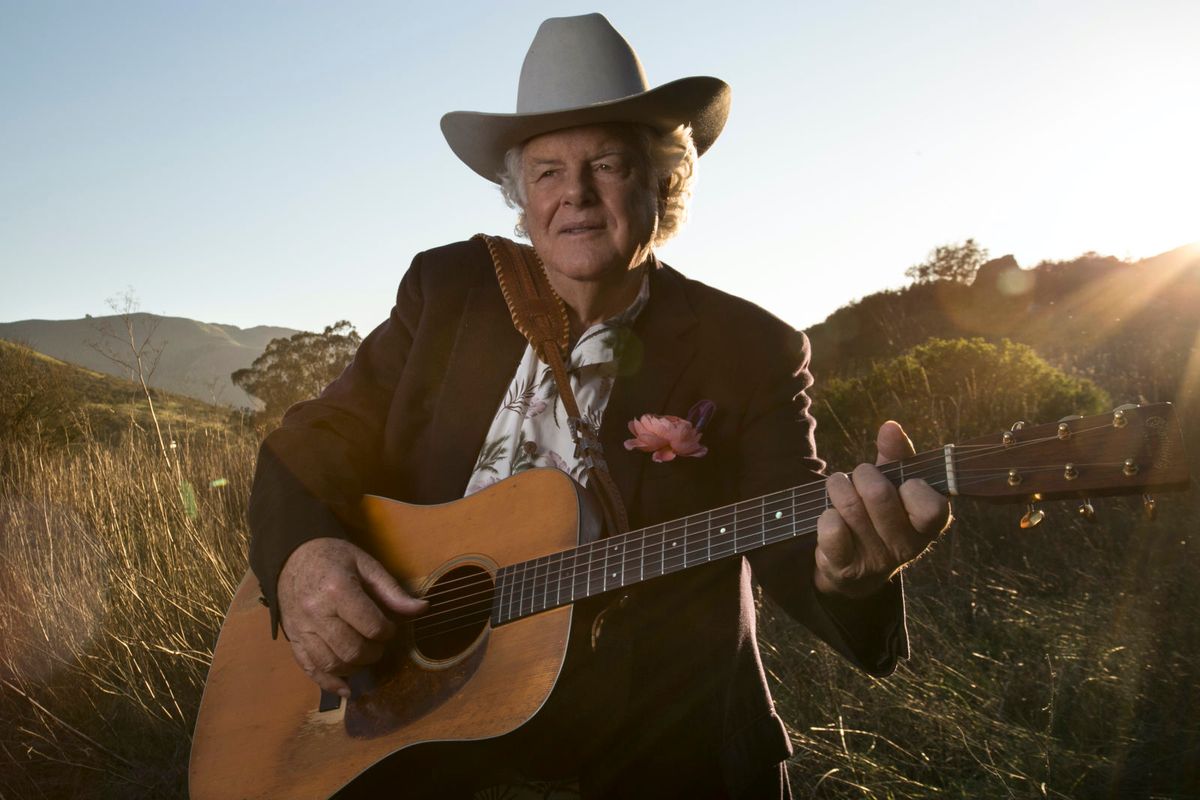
x: 541, y: 317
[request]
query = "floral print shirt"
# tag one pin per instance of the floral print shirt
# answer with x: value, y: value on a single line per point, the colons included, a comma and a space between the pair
x: 530, y: 427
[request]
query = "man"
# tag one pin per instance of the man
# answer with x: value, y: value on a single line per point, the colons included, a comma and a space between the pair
x: 600, y: 168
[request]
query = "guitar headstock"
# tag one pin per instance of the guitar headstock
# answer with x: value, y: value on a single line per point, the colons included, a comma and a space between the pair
x: 1131, y: 450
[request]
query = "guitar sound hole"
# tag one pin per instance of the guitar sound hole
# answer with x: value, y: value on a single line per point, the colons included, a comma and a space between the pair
x: 460, y: 605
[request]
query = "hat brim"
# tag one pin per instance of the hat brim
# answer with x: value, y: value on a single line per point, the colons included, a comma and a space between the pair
x: 481, y: 139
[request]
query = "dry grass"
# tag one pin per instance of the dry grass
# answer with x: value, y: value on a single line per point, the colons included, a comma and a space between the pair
x: 1059, y: 662
x: 115, y: 572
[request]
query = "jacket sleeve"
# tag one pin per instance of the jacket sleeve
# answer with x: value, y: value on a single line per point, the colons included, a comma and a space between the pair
x: 778, y: 451
x: 315, y: 466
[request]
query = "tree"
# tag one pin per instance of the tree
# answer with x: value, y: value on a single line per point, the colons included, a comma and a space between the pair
x: 950, y: 262
x: 297, y: 367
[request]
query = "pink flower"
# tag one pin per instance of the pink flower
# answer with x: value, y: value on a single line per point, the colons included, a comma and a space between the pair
x: 665, y: 436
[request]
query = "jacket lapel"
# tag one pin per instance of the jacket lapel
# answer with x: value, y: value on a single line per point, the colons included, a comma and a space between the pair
x: 666, y: 351
x: 472, y: 390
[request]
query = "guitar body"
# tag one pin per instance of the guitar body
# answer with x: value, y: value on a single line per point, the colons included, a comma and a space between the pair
x: 260, y: 731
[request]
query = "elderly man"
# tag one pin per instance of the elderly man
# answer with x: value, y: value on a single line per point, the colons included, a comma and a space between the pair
x: 445, y: 398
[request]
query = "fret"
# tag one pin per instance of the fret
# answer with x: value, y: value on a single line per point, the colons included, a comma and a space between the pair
x: 614, y: 568
x: 533, y: 585
x: 653, y: 549
x: 723, y: 533
x: 674, y: 549
x: 795, y: 515
x: 631, y: 558
x: 562, y: 570
x: 596, y: 567
x: 552, y: 570
x: 512, y: 592
x: 695, y: 543
x: 544, y: 583
x: 579, y: 575
x: 708, y: 538
x: 774, y: 524
x: 596, y: 571
x: 498, y: 600
x: 748, y: 525
x: 642, y: 558
x: 527, y: 587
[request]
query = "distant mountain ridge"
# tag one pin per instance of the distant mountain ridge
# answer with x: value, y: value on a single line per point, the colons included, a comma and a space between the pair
x: 196, y: 358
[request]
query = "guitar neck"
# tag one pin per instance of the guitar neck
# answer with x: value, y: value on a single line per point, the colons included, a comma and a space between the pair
x: 1133, y: 449
x: 624, y: 560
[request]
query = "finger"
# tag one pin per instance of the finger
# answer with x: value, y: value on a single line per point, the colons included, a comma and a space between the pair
x: 889, y: 517
x: 326, y: 680
x: 892, y: 443
x: 380, y: 584
x: 360, y: 612
x: 835, y: 541
x: 847, y: 499
x: 928, y: 510
x: 349, y: 647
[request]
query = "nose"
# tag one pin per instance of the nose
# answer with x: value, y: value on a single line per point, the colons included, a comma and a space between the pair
x: 580, y: 189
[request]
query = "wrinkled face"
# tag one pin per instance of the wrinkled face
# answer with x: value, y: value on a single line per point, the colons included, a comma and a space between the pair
x: 589, y: 210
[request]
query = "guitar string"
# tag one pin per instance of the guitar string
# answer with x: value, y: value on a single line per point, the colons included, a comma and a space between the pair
x: 482, y: 608
x: 480, y: 611
x: 544, y: 580
x: 927, y: 465
x: 918, y: 467
x: 542, y: 584
x: 923, y: 465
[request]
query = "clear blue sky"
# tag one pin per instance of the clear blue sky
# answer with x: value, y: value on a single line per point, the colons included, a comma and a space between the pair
x: 280, y: 162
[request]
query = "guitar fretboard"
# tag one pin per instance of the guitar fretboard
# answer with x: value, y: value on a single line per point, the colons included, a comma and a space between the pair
x: 607, y: 565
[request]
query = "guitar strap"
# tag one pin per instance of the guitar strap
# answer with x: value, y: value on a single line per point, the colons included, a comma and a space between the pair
x: 540, y: 315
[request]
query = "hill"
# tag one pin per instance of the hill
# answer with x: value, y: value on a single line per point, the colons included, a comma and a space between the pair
x: 196, y: 357
x: 63, y: 402
x: 1132, y: 326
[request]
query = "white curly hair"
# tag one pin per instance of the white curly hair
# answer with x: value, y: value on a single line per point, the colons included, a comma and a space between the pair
x: 669, y: 158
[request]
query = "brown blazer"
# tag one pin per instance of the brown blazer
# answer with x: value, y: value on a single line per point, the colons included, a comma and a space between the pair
x: 408, y: 417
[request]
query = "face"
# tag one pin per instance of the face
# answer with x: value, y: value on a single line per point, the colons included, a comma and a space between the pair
x: 589, y: 210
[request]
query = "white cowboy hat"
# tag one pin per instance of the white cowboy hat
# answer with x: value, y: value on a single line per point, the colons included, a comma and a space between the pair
x: 581, y: 71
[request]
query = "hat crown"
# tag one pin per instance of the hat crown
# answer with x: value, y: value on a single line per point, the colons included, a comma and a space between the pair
x: 578, y: 61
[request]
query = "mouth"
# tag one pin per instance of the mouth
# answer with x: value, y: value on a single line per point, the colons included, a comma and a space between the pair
x: 580, y: 229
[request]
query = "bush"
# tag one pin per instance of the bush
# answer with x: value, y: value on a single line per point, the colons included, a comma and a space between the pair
x: 943, y: 391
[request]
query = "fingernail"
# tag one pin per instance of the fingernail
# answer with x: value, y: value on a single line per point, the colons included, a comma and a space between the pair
x: 344, y: 694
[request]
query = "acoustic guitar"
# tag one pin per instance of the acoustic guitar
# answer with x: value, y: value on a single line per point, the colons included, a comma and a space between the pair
x: 506, y: 576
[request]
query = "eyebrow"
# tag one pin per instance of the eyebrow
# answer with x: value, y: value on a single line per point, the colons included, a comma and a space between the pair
x: 612, y: 151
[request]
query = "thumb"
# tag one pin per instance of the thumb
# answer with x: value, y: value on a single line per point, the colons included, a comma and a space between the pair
x: 892, y: 443
x: 380, y: 584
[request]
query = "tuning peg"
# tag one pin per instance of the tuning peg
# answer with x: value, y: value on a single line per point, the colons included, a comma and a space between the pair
x: 1007, y: 437
x: 1064, y: 430
x: 1032, y: 518
x: 1150, y: 506
x: 1087, y: 511
x: 1119, y: 418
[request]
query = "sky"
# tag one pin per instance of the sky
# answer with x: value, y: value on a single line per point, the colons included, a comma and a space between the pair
x: 271, y: 162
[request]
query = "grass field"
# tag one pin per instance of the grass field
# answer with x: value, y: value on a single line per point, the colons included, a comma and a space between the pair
x: 1056, y: 662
